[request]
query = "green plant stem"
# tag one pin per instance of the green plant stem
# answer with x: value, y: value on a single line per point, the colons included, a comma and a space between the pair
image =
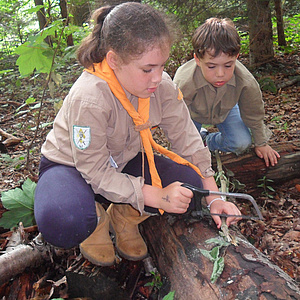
x: 223, y: 181
x: 41, y: 103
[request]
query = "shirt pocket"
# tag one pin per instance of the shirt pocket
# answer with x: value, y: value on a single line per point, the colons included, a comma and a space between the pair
x: 116, y: 139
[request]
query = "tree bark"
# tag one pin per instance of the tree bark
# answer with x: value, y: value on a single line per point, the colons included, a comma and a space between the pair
x: 81, y: 13
x: 260, y: 32
x: 42, y: 19
x: 280, y: 27
x: 249, y: 168
x: 64, y: 14
x: 175, y: 243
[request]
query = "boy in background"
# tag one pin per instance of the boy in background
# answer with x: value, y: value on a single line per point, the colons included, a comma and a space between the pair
x: 219, y: 90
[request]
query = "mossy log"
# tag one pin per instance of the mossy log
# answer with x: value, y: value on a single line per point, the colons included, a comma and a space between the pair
x: 248, y: 168
x: 175, y: 243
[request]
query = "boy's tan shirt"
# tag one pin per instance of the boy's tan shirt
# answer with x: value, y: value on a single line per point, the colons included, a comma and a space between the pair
x: 113, y: 140
x: 209, y: 105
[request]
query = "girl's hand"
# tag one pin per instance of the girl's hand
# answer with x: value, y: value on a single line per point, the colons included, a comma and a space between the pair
x: 224, y: 207
x: 268, y: 154
x: 175, y: 198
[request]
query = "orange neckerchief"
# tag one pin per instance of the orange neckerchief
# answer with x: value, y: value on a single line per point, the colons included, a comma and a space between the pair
x: 140, y: 119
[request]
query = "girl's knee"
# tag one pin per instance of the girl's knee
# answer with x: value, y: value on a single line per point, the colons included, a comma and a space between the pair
x: 63, y: 224
x: 65, y: 230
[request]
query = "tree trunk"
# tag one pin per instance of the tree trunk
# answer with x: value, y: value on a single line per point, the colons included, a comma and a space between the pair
x: 80, y: 12
x: 41, y: 14
x: 175, y: 243
x: 42, y: 19
x: 280, y: 26
x: 260, y: 32
x: 64, y: 14
x: 249, y: 168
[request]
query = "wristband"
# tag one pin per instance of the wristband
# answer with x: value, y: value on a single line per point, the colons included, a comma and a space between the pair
x: 221, y: 198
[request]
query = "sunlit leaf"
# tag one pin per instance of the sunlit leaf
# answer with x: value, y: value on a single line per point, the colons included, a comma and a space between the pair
x: 20, y: 203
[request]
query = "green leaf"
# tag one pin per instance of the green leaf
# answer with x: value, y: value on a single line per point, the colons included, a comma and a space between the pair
x: 207, y: 254
x: 30, y: 100
x: 149, y: 283
x: 20, y: 203
x: 34, y: 9
x: 219, y: 241
x: 215, y: 252
x: 170, y: 296
x: 34, y: 56
x: 12, y: 218
x: 217, y: 269
x: 6, y: 71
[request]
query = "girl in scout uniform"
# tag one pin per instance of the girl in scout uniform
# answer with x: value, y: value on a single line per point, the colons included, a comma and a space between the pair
x: 100, y: 149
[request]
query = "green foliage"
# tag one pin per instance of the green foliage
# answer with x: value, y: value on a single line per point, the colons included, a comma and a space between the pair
x: 170, y: 296
x: 279, y: 124
x: 266, y: 187
x: 267, y: 84
x: 15, y: 24
x: 20, y: 204
x: 214, y: 256
x: 34, y: 55
x: 232, y: 184
x: 15, y: 162
x: 156, y: 282
x: 291, y: 32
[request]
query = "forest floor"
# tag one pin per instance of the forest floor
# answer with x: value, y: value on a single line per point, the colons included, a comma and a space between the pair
x: 277, y: 236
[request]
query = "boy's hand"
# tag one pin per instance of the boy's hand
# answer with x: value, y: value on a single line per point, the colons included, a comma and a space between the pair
x: 268, y: 154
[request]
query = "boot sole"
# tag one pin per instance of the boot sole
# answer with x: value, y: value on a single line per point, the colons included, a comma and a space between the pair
x: 96, y: 262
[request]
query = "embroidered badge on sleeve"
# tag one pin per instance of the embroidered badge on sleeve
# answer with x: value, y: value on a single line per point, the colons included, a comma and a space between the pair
x: 81, y: 136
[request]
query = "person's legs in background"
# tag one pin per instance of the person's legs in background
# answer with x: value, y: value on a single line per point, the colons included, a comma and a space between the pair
x: 233, y: 135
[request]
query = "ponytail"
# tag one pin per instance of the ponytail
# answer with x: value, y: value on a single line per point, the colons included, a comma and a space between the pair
x: 91, y: 49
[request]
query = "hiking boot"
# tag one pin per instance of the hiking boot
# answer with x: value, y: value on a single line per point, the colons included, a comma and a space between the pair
x: 124, y: 220
x: 98, y: 247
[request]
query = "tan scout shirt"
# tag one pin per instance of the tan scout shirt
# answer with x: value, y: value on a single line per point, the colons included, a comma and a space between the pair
x: 95, y: 134
x: 210, y: 105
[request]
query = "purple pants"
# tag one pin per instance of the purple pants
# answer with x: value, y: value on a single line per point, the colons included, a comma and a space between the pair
x: 64, y: 205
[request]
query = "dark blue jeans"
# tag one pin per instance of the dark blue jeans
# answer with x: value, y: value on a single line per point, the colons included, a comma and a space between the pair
x: 64, y: 204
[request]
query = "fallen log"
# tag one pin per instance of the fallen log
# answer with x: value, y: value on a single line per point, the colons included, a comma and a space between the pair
x: 287, y: 83
x: 175, y: 244
x: 248, y: 168
x: 21, y: 256
x: 9, y: 138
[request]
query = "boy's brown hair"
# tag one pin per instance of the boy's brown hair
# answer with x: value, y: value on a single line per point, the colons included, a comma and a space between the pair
x: 216, y: 36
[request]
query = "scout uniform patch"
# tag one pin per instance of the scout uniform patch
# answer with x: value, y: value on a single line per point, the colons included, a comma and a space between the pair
x: 81, y: 136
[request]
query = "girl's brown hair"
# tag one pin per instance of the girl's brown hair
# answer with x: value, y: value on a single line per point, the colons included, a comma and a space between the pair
x: 216, y: 36
x: 129, y: 29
